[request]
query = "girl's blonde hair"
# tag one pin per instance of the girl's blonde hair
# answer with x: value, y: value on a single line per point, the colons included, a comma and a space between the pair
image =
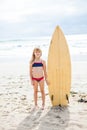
x: 33, y: 55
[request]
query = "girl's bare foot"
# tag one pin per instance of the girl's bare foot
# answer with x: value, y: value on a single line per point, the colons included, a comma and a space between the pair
x: 42, y: 107
x: 36, y: 107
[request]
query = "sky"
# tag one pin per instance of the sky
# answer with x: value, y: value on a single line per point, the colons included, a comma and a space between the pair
x: 23, y: 19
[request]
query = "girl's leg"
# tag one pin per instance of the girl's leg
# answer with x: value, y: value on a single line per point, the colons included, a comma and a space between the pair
x: 35, y: 91
x: 41, y: 83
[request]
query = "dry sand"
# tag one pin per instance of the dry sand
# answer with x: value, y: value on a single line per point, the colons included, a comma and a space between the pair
x: 17, y: 105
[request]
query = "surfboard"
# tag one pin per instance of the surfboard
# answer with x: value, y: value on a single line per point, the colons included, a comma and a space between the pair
x: 59, y: 69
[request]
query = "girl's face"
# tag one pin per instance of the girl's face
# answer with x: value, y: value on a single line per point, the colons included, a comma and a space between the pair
x: 37, y: 54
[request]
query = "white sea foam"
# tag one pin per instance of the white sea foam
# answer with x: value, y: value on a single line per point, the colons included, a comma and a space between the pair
x: 23, y: 48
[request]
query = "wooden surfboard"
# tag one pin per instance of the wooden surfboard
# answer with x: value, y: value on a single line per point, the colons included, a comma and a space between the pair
x: 59, y: 69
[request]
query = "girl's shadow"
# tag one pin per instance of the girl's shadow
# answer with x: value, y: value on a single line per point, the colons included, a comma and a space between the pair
x: 31, y: 121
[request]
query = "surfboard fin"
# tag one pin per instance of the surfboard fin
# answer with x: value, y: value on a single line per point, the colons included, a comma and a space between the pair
x: 59, y: 105
x: 52, y: 97
x: 67, y: 98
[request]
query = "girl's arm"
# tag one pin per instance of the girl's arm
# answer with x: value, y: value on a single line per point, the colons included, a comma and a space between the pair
x: 31, y: 73
x: 45, y: 72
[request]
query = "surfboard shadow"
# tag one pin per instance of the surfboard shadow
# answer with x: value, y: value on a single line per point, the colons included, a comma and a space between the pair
x: 57, y: 118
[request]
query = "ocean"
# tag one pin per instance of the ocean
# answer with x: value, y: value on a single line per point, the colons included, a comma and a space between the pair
x: 22, y: 49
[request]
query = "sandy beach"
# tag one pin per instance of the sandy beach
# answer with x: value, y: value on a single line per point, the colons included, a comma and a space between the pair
x: 17, y: 105
x: 48, y: 25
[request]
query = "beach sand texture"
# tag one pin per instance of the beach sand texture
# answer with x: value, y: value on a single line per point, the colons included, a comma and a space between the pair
x: 17, y: 105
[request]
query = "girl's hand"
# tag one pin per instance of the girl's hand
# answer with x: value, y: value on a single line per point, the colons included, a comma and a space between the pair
x: 32, y: 82
x: 47, y: 82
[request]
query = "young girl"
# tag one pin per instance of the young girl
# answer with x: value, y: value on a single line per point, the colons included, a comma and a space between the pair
x: 38, y: 74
